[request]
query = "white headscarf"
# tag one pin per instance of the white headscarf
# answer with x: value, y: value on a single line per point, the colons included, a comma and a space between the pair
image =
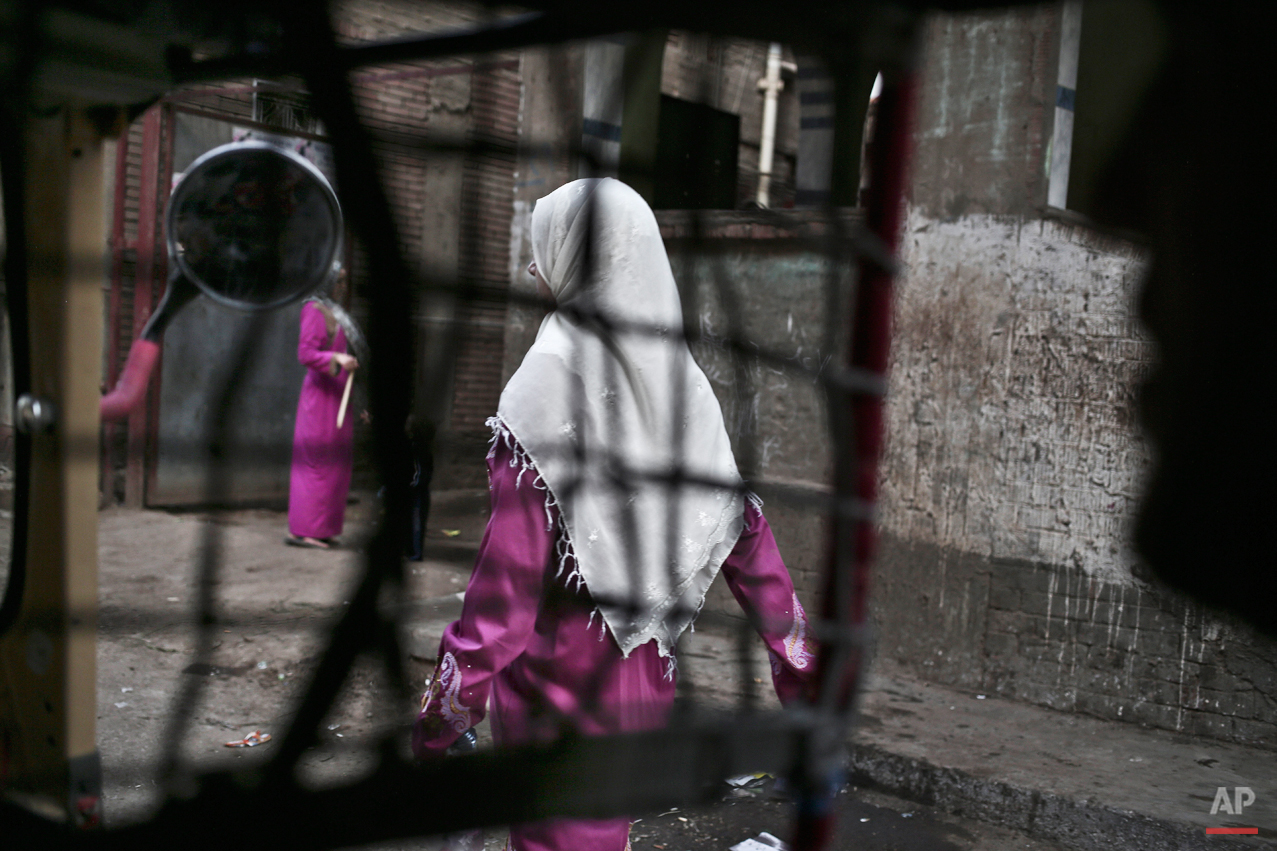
x: 601, y: 412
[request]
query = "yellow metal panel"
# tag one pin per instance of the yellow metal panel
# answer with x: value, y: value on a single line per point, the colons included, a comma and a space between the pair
x: 48, y: 657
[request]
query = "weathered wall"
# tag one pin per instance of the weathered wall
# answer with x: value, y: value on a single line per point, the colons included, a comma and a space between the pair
x: 749, y: 279
x: 985, y: 111
x: 1010, y: 482
x: 1011, y: 422
x: 1014, y: 461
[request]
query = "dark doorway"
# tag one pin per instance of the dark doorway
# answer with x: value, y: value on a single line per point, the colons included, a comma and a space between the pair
x: 696, y: 152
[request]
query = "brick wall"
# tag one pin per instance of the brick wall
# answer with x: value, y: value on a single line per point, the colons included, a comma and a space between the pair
x: 119, y: 327
x: 487, y: 208
x: 454, y: 211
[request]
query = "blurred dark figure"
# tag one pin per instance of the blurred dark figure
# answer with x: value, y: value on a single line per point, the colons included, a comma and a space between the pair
x: 1195, y: 175
x: 421, y: 438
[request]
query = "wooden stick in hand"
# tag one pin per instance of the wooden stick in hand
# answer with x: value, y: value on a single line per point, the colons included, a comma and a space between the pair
x: 345, y: 399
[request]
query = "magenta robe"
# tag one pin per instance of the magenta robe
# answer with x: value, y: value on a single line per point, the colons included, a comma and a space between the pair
x: 322, y: 453
x: 541, y: 662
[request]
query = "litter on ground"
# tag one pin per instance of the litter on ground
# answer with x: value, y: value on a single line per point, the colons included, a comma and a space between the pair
x: 763, y: 842
x: 252, y: 740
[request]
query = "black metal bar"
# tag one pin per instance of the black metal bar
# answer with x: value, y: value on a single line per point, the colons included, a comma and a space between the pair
x: 216, y: 489
x: 313, y: 49
x: 13, y: 174
x: 504, y: 34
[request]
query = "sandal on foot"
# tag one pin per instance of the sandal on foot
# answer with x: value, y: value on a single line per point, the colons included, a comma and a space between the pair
x: 294, y: 541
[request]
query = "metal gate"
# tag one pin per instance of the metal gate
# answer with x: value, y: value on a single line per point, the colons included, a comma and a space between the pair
x: 47, y: 614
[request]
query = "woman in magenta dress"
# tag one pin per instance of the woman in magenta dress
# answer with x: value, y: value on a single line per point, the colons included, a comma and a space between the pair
x: 593, y: 563
x: 322, y: 452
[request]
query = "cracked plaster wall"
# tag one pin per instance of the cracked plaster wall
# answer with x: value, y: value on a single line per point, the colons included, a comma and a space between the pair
x: 1011, y: 419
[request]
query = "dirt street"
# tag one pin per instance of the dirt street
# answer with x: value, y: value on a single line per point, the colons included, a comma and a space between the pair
x: 275, y: 604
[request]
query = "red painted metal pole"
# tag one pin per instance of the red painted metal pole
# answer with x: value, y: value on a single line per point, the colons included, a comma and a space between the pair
x: 842, y: 660
x: 871, y: 333
x: 164, y: 188
x: 114, y: 302
x: 144, y: 285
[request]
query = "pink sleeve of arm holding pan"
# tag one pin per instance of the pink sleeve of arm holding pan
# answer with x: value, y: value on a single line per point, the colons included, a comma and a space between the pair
x: 133, y: 381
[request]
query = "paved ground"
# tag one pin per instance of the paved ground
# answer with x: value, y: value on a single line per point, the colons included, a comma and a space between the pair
x: 1090, y: 782
x: 867, y: 821
x: 948, y: 770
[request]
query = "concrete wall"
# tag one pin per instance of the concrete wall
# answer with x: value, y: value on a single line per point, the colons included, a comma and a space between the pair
x: 1014, y: 463
x: 746, y: 278
x: 985, y: 109
x: 1011, y: 419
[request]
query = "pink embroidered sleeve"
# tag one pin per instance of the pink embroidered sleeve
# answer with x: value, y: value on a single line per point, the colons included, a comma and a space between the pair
x: 761, y: 584
x: 500, y: 609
